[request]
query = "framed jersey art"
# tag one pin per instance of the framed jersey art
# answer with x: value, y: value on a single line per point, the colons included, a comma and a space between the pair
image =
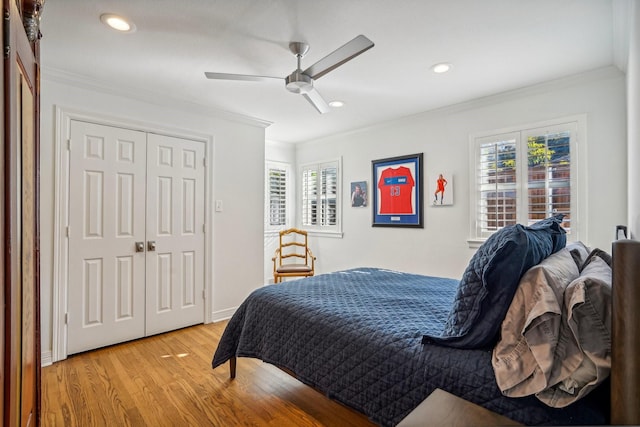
x: 397, y: 198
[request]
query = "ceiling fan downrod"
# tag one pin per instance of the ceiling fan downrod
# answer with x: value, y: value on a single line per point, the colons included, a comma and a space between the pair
x: 297, y: 82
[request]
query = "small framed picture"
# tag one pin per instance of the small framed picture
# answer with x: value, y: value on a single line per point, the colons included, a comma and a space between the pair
x: 441, y: 188
x: 397, y: 198
x: 359, y: 194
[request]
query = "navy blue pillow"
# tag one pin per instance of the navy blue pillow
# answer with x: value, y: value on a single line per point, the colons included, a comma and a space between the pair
x: 552, y: 226
x: 490, y: 281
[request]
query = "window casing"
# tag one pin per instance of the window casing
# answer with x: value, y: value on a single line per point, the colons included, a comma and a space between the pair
x: 277, y: 196
x: 525, y: 175
x: 320, y: 208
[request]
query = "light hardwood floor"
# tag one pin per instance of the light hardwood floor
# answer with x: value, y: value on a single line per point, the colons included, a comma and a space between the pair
x: 167, y: 380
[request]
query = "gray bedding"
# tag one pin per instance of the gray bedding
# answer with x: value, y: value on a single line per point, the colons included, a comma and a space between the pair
x: 356, y: 335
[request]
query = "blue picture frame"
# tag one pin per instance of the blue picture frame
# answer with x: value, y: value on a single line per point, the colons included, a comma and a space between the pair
x: 397, y: 189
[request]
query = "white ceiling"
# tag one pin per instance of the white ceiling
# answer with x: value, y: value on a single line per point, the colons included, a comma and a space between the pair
x: 494, y: 46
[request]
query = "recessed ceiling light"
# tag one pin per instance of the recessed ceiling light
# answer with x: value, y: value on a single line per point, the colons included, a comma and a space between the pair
x: 117, y: 22
x: 443, y: 67
x: 336, y: 104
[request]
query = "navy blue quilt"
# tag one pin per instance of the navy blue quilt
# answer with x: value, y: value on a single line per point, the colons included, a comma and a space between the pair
x: 355, y: 335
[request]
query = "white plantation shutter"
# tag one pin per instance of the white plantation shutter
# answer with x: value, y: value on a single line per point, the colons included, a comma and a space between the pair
x: 549, y: 163
x: 309, y: 196
x: 496, y: 183
x: 329, y: 194
x: 524, y: 176
x: 277, y: 196
x: 320, y: 196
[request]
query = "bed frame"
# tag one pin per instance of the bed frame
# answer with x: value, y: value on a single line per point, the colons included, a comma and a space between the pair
x: 625, y: 334
x: 625, y: 329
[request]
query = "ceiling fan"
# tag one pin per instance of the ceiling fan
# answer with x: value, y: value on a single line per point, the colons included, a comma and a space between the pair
x: 300, y: 81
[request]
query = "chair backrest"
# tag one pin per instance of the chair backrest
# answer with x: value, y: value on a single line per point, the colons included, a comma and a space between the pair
x: 293, y: 243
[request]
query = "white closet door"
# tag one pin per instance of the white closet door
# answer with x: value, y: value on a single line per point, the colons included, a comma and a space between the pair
x: 175, y: 231
x: 106, y: 290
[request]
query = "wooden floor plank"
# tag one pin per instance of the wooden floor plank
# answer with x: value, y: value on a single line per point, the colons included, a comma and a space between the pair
x: 167, y: 380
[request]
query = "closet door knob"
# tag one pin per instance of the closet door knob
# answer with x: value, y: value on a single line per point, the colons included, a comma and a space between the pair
x: 151, y: 245
x: 139, y: 246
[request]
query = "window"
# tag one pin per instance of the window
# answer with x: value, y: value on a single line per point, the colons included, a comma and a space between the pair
x: 524, y: 176
x: 320, y: 208
x: 277, y: 196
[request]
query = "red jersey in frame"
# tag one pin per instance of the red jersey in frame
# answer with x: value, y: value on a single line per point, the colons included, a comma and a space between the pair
x: 396, y: 187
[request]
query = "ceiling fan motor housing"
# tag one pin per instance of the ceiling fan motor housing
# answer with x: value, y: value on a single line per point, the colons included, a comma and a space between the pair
x: 297, y: 82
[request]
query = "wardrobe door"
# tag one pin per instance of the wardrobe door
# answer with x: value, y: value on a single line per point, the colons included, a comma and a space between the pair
x: 22, y: 351
x: 29, y: 362
x: 3, y: 206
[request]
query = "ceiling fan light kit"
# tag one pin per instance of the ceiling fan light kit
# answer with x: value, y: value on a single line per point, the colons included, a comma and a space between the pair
x: 298, y: 82
x: 301, y: 82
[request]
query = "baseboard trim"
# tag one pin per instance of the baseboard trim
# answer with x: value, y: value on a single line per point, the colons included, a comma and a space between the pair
x: 217, y: 316
x: 46, y: 359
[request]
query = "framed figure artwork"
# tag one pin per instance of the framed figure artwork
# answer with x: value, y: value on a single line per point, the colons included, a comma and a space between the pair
x: 441, y: 188
x: 359, y: 194
x: 397, y: 198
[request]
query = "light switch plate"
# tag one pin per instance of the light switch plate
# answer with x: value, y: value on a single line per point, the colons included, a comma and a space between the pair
x: 218, y: 205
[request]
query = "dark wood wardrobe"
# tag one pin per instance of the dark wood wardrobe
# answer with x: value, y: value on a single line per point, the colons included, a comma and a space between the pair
x: 19, y: 234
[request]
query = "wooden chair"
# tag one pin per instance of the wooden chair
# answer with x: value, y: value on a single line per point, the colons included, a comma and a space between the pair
x: 289, y: 257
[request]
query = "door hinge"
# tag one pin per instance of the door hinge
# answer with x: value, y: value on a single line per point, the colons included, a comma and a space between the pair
x: 204, y: 162
x: 204, y: 228
x: 6, y: 29
x: 66, y: 318
x: 204, y: 294
x: 68, y: 144
x: 68, y: 231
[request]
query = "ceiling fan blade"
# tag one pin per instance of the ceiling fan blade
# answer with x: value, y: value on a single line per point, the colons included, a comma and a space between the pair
x: 339, y: 56
x: 318, y: 102
x: 244, y: 77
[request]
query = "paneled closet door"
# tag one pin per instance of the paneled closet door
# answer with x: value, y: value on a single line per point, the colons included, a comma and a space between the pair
x: 136, y: 235
x: 175, y: 234
x: 106, y: 291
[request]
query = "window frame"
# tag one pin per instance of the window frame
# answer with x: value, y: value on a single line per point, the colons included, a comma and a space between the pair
x: 334, y: 230
x: 577, y: 125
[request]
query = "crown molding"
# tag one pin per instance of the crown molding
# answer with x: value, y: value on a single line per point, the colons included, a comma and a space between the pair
x: 585, y: 77
x: 151, y: 97
x: 622, y: 17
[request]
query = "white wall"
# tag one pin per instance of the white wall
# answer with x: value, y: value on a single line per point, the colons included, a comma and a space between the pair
x: 238, y: 172
x: 441, y: 248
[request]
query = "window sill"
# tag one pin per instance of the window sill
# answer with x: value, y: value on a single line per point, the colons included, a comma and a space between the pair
x: 315, y: 233
x: 323, y: 233
x: 475, y: 243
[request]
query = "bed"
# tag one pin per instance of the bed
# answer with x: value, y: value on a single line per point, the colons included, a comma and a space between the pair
x: 381, y: 341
